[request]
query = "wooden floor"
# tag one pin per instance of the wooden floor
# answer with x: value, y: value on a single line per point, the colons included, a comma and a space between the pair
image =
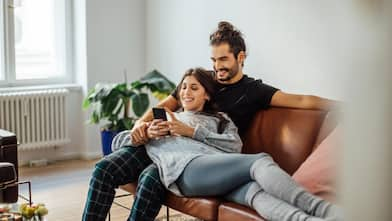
x: 62, y: 186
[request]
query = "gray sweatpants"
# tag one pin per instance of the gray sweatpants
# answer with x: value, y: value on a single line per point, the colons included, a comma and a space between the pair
x: 254, y: 180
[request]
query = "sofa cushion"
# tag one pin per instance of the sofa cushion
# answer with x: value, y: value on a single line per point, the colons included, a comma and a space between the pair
x: 205, y: 208
x: 232, y: 211
x: 318, y: 173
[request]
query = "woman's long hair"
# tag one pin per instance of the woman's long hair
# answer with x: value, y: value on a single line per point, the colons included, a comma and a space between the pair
x: 206, y: 79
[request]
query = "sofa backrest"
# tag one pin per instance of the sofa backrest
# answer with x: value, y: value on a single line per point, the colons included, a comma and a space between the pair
x: 287, y: 134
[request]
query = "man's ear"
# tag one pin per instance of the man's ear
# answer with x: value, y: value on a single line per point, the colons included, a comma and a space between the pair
x: 241, y: 57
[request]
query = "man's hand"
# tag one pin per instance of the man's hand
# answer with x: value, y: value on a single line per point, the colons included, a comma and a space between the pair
x: 157, y: 128
x: 139, y: 133
x: 177, y: 127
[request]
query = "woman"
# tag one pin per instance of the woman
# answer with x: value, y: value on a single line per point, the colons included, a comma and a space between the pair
x: 201, y: 157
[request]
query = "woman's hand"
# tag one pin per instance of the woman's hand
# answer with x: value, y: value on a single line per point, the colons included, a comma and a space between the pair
x: 177, y: 127
x: 157, y: 128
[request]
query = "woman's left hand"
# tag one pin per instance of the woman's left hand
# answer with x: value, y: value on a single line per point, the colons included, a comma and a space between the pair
x: 179, y: 128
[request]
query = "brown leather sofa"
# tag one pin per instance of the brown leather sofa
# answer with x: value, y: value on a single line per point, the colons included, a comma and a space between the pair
x: 288, y: 135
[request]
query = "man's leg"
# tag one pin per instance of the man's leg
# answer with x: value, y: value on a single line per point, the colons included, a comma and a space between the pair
x: 150, y: 194
x: 118, y: 168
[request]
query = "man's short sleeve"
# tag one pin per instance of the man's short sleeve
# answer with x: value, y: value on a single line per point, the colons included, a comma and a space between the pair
x: 261, y: 94
x: 174, y: 93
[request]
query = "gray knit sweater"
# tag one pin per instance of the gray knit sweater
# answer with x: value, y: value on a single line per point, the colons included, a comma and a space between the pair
x: 171, y: 154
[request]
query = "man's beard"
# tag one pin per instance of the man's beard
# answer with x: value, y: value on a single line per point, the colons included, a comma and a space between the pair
x: 230, y: 73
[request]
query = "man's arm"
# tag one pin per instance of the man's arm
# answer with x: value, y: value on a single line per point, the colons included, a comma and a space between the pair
x: 281, y: 99
x: 139, y: 131
x: 169, y: 102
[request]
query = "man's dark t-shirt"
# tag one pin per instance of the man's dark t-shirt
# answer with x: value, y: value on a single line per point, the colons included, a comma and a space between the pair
x: 243, y: 99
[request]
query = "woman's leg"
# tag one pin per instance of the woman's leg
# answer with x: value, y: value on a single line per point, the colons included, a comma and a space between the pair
x: 278, y: 183
x: 266, y: 205
x: 213, y: 175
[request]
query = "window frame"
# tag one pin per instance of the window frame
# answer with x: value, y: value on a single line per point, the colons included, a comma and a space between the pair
x: 9, y: 49
x: 3, y: 52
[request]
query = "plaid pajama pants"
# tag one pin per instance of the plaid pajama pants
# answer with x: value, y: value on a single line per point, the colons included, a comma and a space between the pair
x: 124, y: 166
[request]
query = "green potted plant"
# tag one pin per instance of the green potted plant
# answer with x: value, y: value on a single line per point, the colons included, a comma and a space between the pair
x: 112, y: 103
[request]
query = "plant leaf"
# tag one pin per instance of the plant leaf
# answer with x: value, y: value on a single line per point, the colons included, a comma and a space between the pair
x: 155, y: 81
x: 126, y: 123
x: 94, y: 117
x: 140, y: 103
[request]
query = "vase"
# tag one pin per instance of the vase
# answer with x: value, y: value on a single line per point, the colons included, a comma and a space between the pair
x: 106, y: 138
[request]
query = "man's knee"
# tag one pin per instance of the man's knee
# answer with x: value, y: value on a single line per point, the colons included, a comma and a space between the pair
x: 102, y: 168
x: 150, y: 177
x: 113, y: 162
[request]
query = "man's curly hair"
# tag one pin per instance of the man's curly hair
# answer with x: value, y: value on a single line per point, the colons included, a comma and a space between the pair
x: 226, y: 33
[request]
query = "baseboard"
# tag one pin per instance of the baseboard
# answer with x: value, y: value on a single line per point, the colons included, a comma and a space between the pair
x: 49, y: 159
x: 91, y: 155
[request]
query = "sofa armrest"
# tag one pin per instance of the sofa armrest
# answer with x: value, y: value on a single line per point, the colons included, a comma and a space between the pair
x: 330, y: 122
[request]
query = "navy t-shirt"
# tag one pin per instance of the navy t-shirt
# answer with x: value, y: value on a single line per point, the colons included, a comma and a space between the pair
x: 243, y: 99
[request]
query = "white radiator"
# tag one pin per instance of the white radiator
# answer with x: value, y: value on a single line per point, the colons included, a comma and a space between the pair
x: 38, y: 118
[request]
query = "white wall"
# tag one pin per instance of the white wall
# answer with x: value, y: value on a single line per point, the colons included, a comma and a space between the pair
x: 115, y: 42
x: 108, y: 38
x: 298, y: 46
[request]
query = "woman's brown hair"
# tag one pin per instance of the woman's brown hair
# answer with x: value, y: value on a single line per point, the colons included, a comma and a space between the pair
x: 207, y: 81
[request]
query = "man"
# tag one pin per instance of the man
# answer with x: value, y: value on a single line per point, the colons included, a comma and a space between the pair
x: 239, y: 95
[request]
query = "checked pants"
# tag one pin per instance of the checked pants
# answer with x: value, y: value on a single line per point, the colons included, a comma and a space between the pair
x: 126, y: 165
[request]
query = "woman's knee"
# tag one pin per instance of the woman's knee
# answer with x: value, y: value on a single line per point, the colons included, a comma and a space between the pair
x: 187, y: 186
x: 265, y: 160
x: 262, y: 166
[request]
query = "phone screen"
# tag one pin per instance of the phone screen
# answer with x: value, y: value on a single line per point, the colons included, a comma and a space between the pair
x: 159, y: 113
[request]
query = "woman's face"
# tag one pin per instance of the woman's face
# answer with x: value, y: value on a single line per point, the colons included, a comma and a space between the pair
x: 192, y: 94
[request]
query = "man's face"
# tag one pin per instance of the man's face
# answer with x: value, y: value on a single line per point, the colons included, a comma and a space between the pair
x: 226, y: 65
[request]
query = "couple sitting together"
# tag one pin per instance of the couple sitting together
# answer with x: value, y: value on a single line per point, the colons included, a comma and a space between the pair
x: 197, y: 152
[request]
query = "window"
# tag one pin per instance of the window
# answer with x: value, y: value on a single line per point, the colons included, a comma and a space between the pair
x: 2, y: 51
x: 35, y: 45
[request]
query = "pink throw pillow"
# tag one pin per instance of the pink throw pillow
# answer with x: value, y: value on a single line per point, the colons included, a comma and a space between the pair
x: 318, y: 172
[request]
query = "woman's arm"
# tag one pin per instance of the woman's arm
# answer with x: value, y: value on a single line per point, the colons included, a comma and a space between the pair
x: 227, y: 141
x: 123, y: 138
x: 126, y: 137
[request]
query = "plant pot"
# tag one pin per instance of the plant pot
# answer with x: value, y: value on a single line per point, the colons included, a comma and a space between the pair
x: 106, y: 139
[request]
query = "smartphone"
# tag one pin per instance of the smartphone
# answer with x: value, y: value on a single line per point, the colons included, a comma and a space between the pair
x: 159, y: 113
